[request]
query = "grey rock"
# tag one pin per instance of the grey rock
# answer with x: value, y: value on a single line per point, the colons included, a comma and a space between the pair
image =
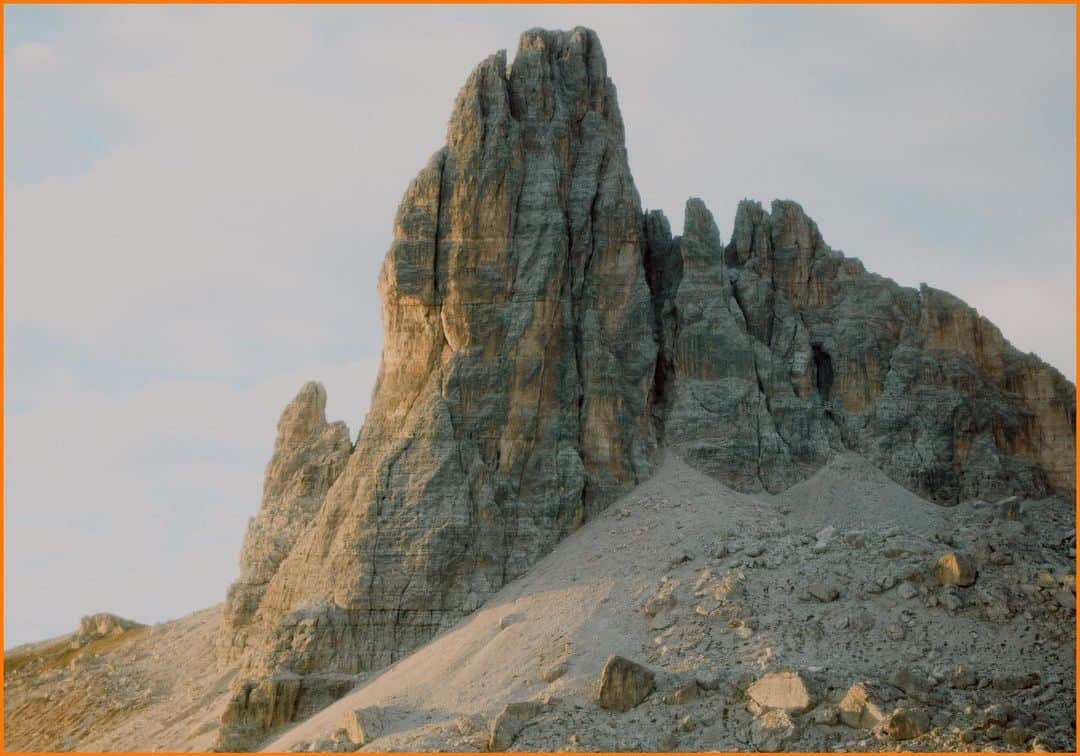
x: 954, y: 569
x: 906, y: 723
x: 822, y: 592
x: 509, y: 723
x: 363, y: 725
x: 623, y: 684
x: 682, y: 695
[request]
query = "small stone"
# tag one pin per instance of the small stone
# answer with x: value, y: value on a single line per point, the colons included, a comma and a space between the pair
x: 686, y: 724
x: 895, y: 631
x: 826, y: 715
x: 952, y: 601
x: 954, y: 569
x: 1016, y: 736
x: 822, y: 592
x: 781, y: 690
x: 907, y: 591
x: 554, y: 672
x: 624, y: 684
x: 964, y: 679
x: 468, y: 725
x: 1008, y: 508
x: 708, y: 679
x: 754, y: 549
x: 682, y: 695
x: 664, y: 598
x: 856, y: 539
x: 662, y: 621
x: 509, y: 723
x: 1045, y: 579
x: 363, y: 725
x: 1015, y: 682
x: 507, y: 620
x: 772, y: 730
x: 906, y: 723
x: 858, y: 708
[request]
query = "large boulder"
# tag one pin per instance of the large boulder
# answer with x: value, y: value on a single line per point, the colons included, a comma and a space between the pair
x: 623, y: 684
x: 781, y: 690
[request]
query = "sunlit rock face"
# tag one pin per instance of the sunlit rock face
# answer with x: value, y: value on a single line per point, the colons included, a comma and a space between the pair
x: 543, y: 336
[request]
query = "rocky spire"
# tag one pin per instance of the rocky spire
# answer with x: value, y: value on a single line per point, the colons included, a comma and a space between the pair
x: 541, y: 334
x: 309, y: 454
x: 513, y: 396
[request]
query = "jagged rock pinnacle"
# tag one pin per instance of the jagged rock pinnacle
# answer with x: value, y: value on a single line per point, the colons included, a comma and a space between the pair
x: 541, y: 333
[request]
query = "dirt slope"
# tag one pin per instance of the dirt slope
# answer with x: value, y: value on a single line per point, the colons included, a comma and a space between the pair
x: 150, y: 688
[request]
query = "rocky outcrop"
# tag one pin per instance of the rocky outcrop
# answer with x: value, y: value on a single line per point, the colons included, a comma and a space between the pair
x: 777, y: 352
x: 102, y: 625
x: 309, y: 455
x: 542, y: 335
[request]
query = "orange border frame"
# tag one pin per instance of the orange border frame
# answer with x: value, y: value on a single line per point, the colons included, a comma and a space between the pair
x: 1076, y: 172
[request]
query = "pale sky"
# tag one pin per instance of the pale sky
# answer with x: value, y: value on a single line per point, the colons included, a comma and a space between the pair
x: 198, y: 200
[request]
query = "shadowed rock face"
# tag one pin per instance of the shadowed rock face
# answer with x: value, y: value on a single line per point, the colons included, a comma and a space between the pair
x: 777, y: 351
x: 542, y: 335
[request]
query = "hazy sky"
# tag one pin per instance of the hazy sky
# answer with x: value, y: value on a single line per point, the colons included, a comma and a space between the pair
x: 198, y: 200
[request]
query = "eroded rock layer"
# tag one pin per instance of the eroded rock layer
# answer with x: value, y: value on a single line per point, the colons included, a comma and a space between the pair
x: 542, y: 335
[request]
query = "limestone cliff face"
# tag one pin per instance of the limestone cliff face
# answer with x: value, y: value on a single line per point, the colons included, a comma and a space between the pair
x: 542, y: 335
x: 778, y: 351
x: 514, y: 394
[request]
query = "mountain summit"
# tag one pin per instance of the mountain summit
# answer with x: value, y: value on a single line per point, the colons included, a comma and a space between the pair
x: 543, y: 336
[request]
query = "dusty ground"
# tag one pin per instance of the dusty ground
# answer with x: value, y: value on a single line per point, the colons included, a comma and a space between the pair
x: 708, y: 588
x: 152, y: 688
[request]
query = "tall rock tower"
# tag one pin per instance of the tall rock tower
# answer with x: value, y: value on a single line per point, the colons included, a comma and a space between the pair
x: 542, y: 335
x: 514, y: 393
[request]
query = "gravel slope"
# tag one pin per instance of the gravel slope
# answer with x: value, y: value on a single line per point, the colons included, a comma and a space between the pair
x: 733, y: 572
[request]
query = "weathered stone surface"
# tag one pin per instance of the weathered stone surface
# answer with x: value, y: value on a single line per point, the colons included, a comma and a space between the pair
x: 542, y: 335
x: 860, y: 708
x: 954, y: 569
x: 309, y: 454
x: 102, y: 625
x: 509, y: 723
x: 777, y: 351
x: 683, y: 694
x: 363, y: 725
x: 263, y: 706
x: 623, y: 684
x: 906, y: 723
x: 780, y: 690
